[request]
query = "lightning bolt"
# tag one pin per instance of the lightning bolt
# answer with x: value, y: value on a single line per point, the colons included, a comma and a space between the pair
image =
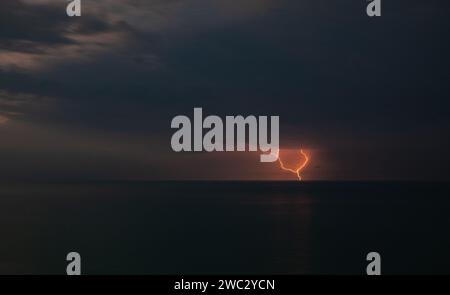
x: 299, y: 169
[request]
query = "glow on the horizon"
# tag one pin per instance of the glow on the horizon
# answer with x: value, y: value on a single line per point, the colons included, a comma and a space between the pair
x: 299, y: 169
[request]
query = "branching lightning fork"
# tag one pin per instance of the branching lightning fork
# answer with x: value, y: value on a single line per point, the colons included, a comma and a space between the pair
x: 299, y: 169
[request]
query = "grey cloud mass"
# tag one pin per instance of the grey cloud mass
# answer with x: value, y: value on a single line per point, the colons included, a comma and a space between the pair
x: 339, y: 81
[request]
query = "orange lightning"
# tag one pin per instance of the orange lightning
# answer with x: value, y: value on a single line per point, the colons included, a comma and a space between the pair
x: 299, y: 169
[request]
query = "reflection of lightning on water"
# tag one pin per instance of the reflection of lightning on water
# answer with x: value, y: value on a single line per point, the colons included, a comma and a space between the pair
x: 299, y: 169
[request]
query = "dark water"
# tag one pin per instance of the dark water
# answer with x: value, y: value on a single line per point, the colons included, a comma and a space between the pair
x: 225, y: 227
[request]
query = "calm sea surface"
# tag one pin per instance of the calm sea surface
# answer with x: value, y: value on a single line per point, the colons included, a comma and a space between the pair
x: 225, y: 227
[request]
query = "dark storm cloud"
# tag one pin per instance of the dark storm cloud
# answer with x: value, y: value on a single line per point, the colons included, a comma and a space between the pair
x: 43, y: 23
x: 38, y: 35
x: 32, y: 23
x: 338, y: 79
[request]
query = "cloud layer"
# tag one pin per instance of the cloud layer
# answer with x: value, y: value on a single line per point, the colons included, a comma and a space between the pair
x: 339, y: 81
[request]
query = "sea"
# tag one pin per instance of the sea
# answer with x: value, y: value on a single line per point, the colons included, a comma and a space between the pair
x: 225, y: 227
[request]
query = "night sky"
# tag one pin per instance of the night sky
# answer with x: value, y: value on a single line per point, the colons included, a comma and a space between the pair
x: 92, y: 97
